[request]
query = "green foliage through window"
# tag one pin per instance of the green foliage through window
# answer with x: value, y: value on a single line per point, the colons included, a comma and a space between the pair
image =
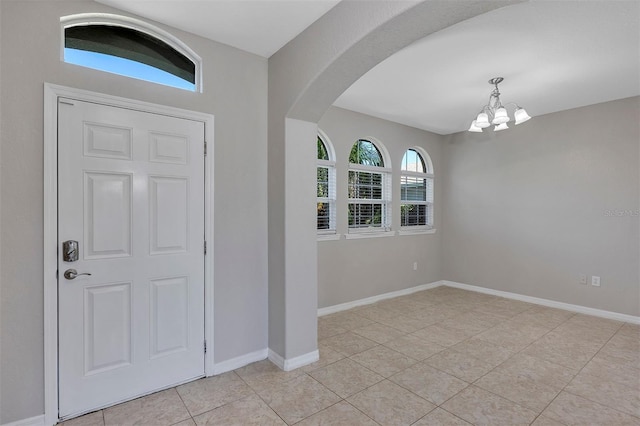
x: 365, y: 215
x: 366, y: 186
x: 415, y: 214
x: 322, y: 150
x: 365, y: 153
x: 416, y: 191
x: 325, y: 180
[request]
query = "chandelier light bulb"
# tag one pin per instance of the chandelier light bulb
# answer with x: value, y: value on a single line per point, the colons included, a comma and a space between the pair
x: 474, y: 127
x: 482, y: 120
x: 501, y: 126
x: 500, y: 116
x: 521, y: 116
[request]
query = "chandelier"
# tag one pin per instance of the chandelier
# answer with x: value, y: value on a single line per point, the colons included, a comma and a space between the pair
x: 495, y: 112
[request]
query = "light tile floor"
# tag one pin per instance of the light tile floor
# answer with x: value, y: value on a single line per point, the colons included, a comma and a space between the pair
x: 438, y: 357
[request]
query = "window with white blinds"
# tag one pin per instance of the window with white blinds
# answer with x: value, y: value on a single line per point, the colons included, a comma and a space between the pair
x: 416, y: 190
x: 369, y: 189
x: 326, y: 187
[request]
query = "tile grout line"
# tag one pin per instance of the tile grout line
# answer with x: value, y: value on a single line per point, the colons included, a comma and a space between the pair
x: 341, y: 398
x: 185, y: 405
x: 515, y: 353
x: 472, y: 356
x: 375, y: 372
x: 446, y: 348
x: 457, y: 312
x: 520, y: 352
x: 260, y: 396
x: 576, y: 375
x: 580, y: 371
x: 503, y: 321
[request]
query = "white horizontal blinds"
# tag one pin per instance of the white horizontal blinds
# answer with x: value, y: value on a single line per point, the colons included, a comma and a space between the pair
x: 326, y: 190
x: 368, y: 188
x: 416, y: 191
x: 324, y: 206
x: 365, y: 185
x: 326, y: 193
x: 366, y: 202
x: 387, y: 200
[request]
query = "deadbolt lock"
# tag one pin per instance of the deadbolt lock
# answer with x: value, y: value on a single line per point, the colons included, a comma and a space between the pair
x: 70, y: 251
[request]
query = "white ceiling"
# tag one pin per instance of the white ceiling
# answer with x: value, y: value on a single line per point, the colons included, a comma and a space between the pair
x: 554, y: 55
x: 257, y: 26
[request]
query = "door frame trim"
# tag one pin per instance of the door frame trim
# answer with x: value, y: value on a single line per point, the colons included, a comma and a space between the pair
x: 51, y: 94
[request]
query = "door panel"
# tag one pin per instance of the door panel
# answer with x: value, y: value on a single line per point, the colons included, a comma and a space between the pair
x: 168, y: 149
x: 107, y: 215
x: 107, y: 332
x: 169, y: 226
x: 107, y: 141
x: 131, y: 192
x: 169, y: 316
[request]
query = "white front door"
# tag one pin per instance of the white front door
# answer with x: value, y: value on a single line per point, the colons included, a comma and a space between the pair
x: 131, y: 193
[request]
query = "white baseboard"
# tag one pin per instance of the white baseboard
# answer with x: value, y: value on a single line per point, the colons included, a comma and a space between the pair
x: 276, y: 359
x: 240, y: 361
x: 373, y: 299
x: 293, y: 363
x: 546, y: 302
x: 506, y: 294
x: 301, y: 361
x: 32, y: 421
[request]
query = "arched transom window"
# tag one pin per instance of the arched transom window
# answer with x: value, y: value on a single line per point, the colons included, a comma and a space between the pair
x: 129, y: 47
x: 416, y: 190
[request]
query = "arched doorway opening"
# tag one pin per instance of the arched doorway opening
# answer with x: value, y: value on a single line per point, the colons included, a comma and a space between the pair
x: 305, y: 77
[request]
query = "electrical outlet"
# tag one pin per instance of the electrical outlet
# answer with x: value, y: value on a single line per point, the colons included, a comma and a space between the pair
x: 415, y: 266
x: 595, y: 281
x: 582, y: 278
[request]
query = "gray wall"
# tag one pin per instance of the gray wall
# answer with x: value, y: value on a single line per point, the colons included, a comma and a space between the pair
x: 0, y: 217
x: 355, y: 269
x: 304, y: 78
x: 529, y: 209
x: 235, y: 91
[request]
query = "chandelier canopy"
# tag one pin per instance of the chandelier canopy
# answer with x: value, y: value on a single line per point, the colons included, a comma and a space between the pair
x: 494, y: 112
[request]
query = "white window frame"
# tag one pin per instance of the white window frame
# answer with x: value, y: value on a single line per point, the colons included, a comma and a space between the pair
x: 386, y: 172
x: 429, y: 203
x: 330, y: 165
x: 87, y: 19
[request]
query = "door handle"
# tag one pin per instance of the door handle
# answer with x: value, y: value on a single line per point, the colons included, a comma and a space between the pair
x: 71, y: 274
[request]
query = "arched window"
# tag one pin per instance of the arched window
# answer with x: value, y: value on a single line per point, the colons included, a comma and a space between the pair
x: 369, y: 188
x: 416, y: 190
x: 129, y: 47
x: 326, y: 186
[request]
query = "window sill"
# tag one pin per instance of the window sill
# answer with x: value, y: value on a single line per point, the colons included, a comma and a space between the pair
x: 329, y: 237
x: 376, y: 234
x: 417, y: 231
